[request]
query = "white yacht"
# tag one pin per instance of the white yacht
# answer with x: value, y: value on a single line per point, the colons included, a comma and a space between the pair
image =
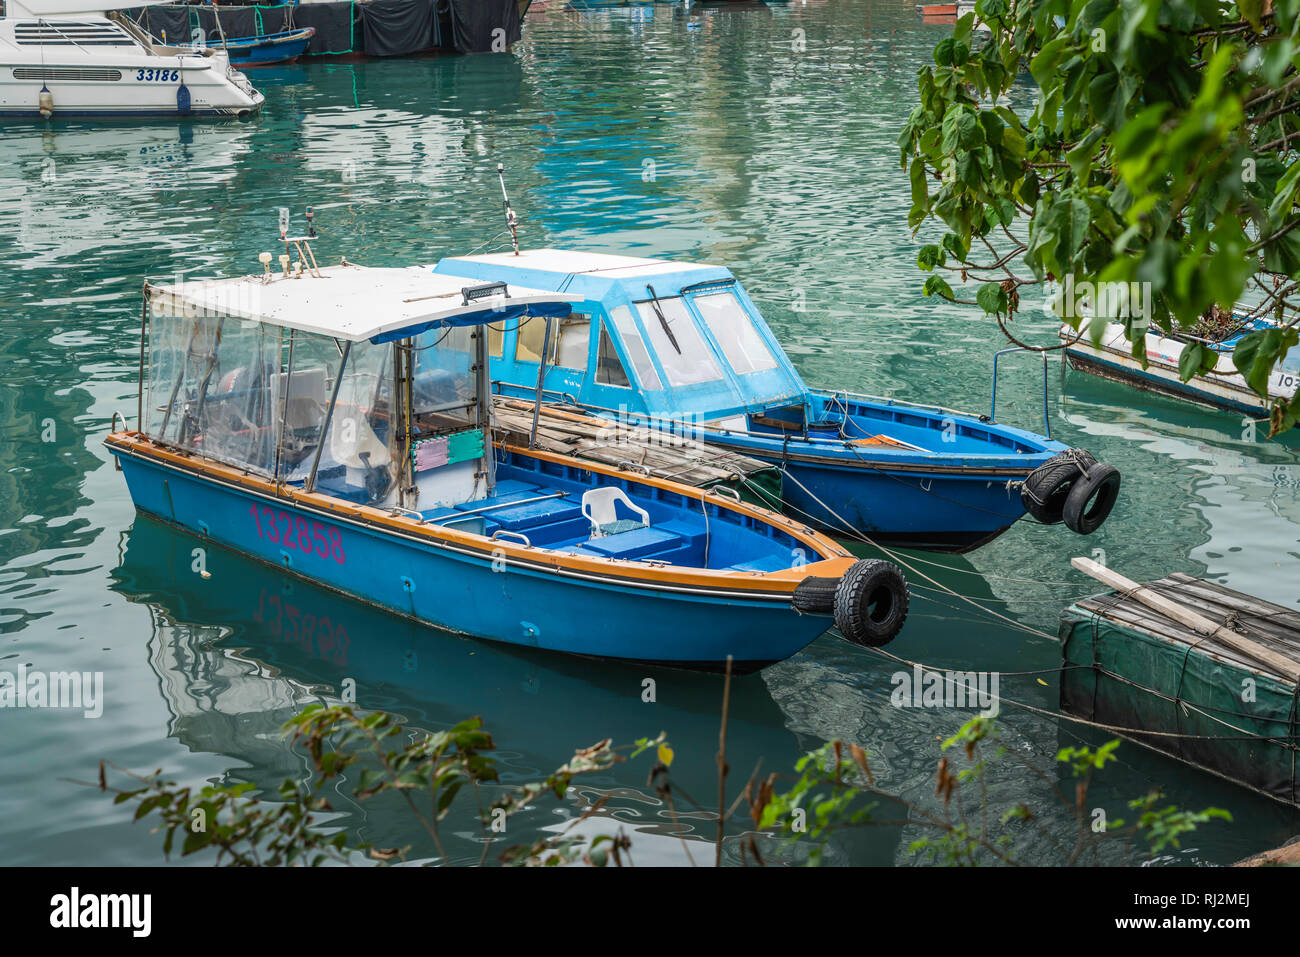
x: 63, y: 58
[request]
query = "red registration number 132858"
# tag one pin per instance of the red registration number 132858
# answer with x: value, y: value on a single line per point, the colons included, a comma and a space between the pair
x: 294, y: 531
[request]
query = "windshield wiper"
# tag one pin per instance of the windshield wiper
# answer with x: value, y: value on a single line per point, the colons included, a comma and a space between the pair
x: 663, y: 321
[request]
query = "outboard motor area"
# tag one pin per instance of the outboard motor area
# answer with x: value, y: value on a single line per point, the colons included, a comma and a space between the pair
x: 869, y: 602
x: 1074, y: 488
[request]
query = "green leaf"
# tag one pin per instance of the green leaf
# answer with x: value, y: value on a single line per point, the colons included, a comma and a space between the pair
x: 1195, y: 359
x: 991, y: 298
x: 929, y: 257
x: 936, y: 285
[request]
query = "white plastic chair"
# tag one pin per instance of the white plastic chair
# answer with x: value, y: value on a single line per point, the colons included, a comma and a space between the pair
x: 598, y: 507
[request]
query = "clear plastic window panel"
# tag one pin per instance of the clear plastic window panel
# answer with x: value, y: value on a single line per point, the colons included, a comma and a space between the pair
x: 305, y: 392
x: 358, y: 462
x: 443, y: 388
x: 684, y: 355
x: 635, y: 348
x: 735, y: 333
x: 609, y: 369
x: 214, y: 388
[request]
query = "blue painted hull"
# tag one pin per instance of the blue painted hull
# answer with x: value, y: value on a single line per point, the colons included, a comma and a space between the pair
x: 940, y: 501
x: 268, y: 50
x: 910, y: 509
x: 461, y: 592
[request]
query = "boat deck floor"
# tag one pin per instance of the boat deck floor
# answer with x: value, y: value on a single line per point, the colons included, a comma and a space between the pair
x: 552, y: 518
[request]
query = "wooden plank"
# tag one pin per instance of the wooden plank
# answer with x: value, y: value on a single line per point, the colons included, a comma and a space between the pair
x: 1288, y: 618
x: 1279, y: 664
x: 1137, y: 617
x: 577, y: 434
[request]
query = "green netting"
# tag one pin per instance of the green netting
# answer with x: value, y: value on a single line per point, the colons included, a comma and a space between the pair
x: 1238, y: 723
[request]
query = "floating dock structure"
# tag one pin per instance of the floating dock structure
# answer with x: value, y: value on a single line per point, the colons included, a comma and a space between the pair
x: 1216, y: 686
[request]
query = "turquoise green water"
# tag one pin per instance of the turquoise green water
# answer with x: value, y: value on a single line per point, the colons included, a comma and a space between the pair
x: 635, y: 131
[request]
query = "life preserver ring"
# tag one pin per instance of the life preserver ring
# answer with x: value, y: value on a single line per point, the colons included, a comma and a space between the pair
x: 871, y: 602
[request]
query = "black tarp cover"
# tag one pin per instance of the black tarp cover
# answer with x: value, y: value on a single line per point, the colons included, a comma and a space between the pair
x: 165, y: 23
x: 236, y: 22
x: 397, y: 27
x: 474, y: 23
x: 335, y: 29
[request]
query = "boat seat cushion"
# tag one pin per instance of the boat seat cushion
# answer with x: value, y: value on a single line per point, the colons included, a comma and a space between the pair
x: 634, y: 544
x: 545, y: 512
x: 621, y: 525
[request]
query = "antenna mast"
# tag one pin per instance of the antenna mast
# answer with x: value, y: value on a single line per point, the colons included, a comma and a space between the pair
x: 512, y: 221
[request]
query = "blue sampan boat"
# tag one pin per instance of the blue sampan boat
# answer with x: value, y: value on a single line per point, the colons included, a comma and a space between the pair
x: 272, y: 48
x: 336, y: 423
x: 682, y: 347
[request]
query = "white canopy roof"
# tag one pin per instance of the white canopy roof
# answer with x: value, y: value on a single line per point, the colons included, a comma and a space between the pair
x: 348, y: 302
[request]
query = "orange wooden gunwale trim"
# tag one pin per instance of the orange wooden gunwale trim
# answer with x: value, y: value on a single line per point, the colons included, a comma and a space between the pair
x: 835, y: 560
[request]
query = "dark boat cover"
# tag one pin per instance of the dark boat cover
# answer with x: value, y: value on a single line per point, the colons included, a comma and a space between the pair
x: 397, y: 27
x: 380, y: 28
x: 474, y: 22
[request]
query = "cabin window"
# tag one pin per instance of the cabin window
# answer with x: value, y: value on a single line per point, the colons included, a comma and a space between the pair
x: 496, y: 334
x: 443, y: 387
x: 683, y: 353
x: 213, y: 387
x: 358, y: 460
x: 573, y: 343
x: 308, y: 385
x: 609, y: 368
x: 635, y: 348
x: 530, y: 340
x: 731, y: 327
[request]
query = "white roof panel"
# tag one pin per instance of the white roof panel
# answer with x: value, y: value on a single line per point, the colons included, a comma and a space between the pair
x: 578, y: 261
x: 347, y: 302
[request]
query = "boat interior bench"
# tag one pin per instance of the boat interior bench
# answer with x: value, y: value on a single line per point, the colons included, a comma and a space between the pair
x: 552, y: 518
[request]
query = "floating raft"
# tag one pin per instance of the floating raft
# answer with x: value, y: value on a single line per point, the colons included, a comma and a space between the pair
x: 584, y: 436
x: 1218, y: 705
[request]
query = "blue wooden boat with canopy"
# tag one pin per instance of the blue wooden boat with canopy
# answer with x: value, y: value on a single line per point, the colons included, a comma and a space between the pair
x: 336, y: 423
x: 682, y: 347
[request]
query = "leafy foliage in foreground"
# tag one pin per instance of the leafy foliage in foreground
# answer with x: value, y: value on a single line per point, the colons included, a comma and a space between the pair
x: 833, y: 792
x: 1161, y: 150
x: 381, y: 756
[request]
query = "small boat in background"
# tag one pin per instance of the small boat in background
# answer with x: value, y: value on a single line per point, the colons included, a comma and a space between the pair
x: 283, y: 47
x: 680, y: 347
x: 336, y: 423
x: 946, y: 9
x: 1225, y: 388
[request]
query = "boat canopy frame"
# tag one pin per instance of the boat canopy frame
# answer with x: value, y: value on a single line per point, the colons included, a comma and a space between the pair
x: 414, y: 363
x: 625, y: 298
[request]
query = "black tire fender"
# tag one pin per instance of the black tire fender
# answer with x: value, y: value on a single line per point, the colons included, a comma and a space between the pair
x: 1091, y: 498
x: 1047, y: 487
x: 871, y: 602
x: 815, y: 596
